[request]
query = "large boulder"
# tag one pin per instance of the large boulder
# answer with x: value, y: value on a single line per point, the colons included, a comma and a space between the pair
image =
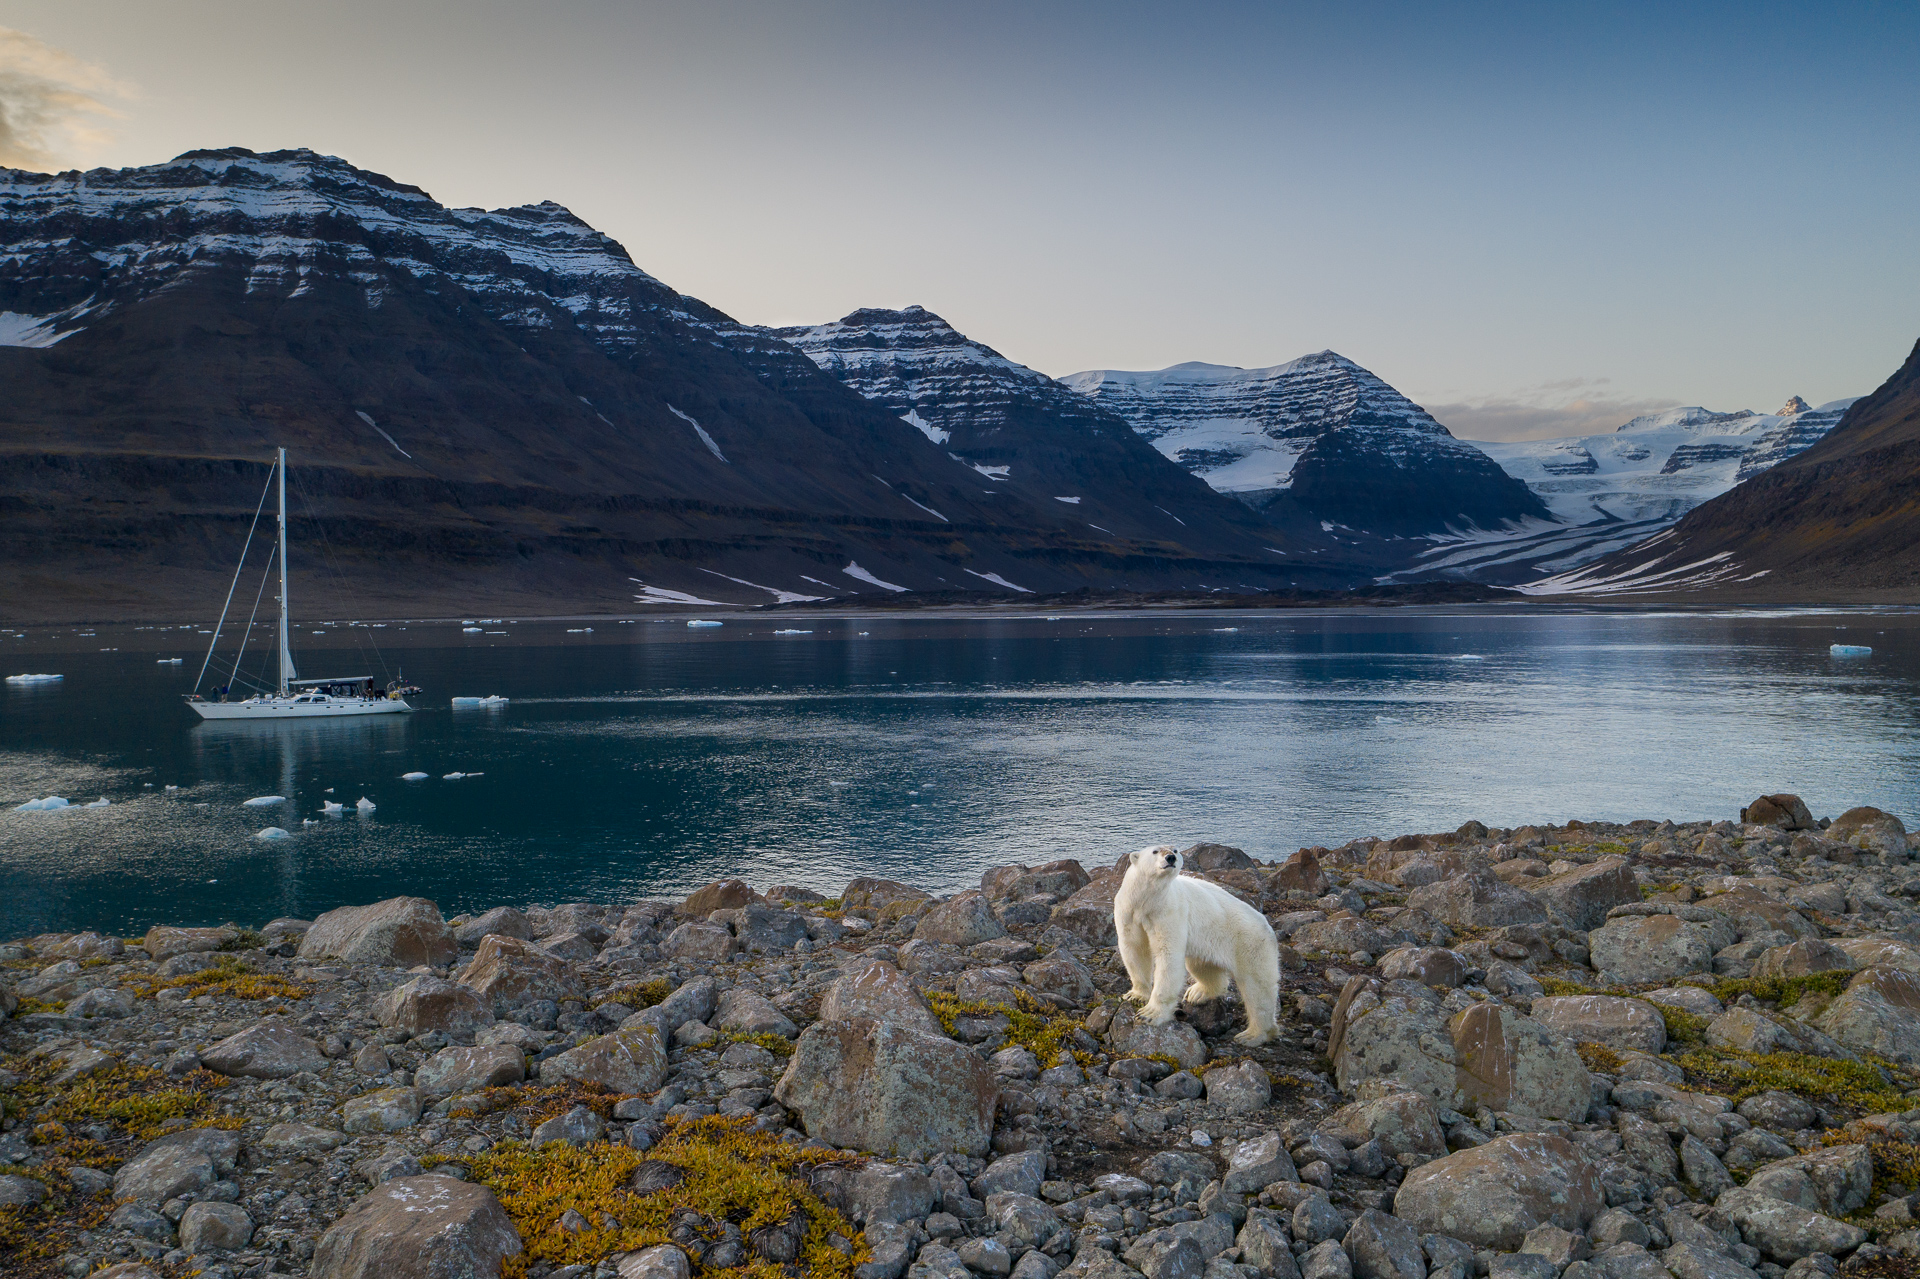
x: 1620, y: 1024
x: 1783, y: 812
x: 759, y: 928
x: 457, y: 1070
x: 631, y: 1060
x: 1803, y: 958
x: 432, y: 1003
x: 1879, y: 1013
x: 1580, y: 898
x: 177, y: 1164
x: 1131, y: 1036
x: 1786, y: 1231
x: 383, y: 1110
x: 1428, y: 965
x: 1058, y: 879
x: 1642, y: 948
x: 1088, y: 913
x: 963, y: 921
x: 874, y: 990
x: 721, y: 894
x: 1880, y: 952
x: 1872, y: 830
x: 889, y: 1089
x: 1212, y: 857
x: 1392, y: 1036
x: 871, y: 897
x: 400, y: 932
x: 1749, y: 1030
x: 164, y: 943
x: 418, y: 1228
x: 271, y: 1050
x: 1404, y: 1123
x: 1301, y: 872
x: 1383, y: 1247
x: 1507, y: 1061
x: 509, y: 973
x: 503, y: 921
x: 700, y: 939
x: 1836, y: 1180
x: 1478, y: 900
x: 1753, y: 913
x: 1492, y: 1195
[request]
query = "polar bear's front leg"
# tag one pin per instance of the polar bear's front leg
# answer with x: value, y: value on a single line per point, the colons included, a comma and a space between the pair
x: 1169, y: 964
x: 1136, y: 952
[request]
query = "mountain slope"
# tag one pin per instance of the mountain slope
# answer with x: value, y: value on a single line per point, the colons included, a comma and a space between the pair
x: 1840, y: 521
x: 485, y: 408
x: 1612, y: 491
x: 1032, y: 436
x: 1340, y: 443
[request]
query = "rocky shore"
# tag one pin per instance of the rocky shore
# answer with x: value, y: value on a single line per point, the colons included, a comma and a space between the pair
x: 1588, y: 1051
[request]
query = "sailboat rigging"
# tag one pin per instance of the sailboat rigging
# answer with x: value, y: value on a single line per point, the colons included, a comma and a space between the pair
x: 293, y: 698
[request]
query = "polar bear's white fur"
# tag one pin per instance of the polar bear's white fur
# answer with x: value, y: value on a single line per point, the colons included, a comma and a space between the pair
x: 1165, y: 919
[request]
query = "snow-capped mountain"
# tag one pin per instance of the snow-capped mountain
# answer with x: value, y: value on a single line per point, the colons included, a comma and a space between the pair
x: 1322, y: 431
x: 1610, y: 491
x: 483, y: 404
x: 1025, y: 432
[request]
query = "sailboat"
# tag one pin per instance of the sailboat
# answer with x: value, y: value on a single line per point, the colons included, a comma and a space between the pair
x: 293, y: 698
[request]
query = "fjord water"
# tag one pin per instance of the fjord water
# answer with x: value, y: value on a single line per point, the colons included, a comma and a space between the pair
x: 646, y: 758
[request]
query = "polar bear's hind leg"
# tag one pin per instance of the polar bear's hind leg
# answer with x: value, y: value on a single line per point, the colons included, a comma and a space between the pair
x: 1209, y: 980
x: 1258, y: 975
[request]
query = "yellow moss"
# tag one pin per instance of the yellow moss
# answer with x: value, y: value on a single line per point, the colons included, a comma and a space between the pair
x: 1611, y: 848
x: 732, y: 1173
x: 642, y: 995
x: 1600, y: 1057
x: 1740, y: 1075
x: 1785, y: 991
x: 28, y: 1005
x: 773, y: 1043
x: 1683, y: 1027
x: 540, y: 1103
x: 1033, y: 1024
x: 243, y: 939
x: 229, y: 977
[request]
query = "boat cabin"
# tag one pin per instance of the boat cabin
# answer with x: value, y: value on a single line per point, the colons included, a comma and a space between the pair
x: 360, y: 686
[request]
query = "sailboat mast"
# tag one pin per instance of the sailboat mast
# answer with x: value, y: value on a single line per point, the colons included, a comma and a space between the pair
x: 285, y: 651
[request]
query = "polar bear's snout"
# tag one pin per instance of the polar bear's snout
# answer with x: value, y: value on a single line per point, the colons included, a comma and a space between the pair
x: 1170, y: 859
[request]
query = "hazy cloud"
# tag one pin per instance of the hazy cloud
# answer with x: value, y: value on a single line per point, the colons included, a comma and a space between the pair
x: 1548, y: 411
x: 52, y: 105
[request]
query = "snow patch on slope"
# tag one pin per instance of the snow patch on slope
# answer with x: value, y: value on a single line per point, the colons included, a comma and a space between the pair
x: 701, y: 431
x: 859, y: 574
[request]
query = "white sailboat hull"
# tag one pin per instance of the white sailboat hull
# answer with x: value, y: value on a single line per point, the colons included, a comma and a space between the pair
x: 290, y: 708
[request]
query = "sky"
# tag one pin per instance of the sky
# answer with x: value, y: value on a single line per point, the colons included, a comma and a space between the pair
x: 1535, y: 220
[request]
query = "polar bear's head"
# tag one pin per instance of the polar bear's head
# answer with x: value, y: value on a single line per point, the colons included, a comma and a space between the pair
x: 1161, y: 862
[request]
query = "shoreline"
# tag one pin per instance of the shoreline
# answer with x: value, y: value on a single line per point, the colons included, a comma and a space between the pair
x: 956, y: 1081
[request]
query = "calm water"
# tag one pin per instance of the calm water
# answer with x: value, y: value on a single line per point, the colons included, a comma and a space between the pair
x: 648, y: 758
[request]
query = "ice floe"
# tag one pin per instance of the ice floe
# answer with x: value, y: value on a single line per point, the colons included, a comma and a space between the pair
x: 701, y: 622
x: 469, y: 630
x: 261, y: 801
x: 1850, y: 650
x: 33, y: 679
x: 102, y: 802
x: 793, y: 632
x: 47, y: 805
x: 270, y: 832
x: 413, y: 777
x: 491, y: 700
x: 328, y: 806
x: 365, y: 805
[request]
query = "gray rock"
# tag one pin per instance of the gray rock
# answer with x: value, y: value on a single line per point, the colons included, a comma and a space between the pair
x: 1620, y: 1024
x: 1836, y: 1181
x: 21, y: 1192
x: 1447, y: 1257
x: 503, y: 921
x: 936, y: 1261
x: 663, y: 1261
x: 271, y: 1050
x: 1779, y: 1110
x: 1559, y: 1246
x: 1023, y: 1218
x: 1638, y: 948
x: 986, y: 1257
x: 431, y: 1003
x: 292, y: 1140
x: 874, y: 990
x: 1021, y: 1173
x: 1132, y: 1037
x: 887, y: 1193
x: 1785, y: 1231
x: 1686, y: 1261
x: 1580, y: 898
x: 141, y: 1221
x: 1402, y: 1122
x: 1315, y: 1220
x: 1477, y: 899
x: 1428, y: 965
x: 1326, y: 1261
x: 1879, y: 1013
x: 101, y: 1001
x: 1703, y: 1168
x: 1383, y: 1247
x: 457, y: 1070
x: 400, y: 932
x: 888, y: 1089
x: 418, y: 1228
x: 1265, y: 1244
x: 1492, y: 1195
x: 1391, y: 1031
x: 1507, y: 1061
x: 215, y: 1227
x: 1256, y: 1164
x: 1617, y: 1226
x: 508, y: 973
x: 384, y: 1110
x: 631, y: 1060
x: 1523, y: 1265
x: 1239, y: 1089
x: 176, y: 1164
x: 963, y: 921
x: 748, y: 1013
x: 700, y: 940
x: 578, y: 1127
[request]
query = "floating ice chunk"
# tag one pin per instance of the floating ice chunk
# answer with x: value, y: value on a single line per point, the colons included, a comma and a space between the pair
x: 469, y: 630
x: 33, y: 679
x: 168, y: 661
x: 1385, y: 719
x: 1850, y: 650
x: 328, y: 806
x: 47, y: 805
x: 365, y: 805
x: 309, y: 821
x: 102, y: 802
x: 271, y: 832
x: 171, y: 786
x: 580, y: 630
x: 261, y: 801
x: 413, y: 777
x: 1223, y: 630
x: 451, y: 777
x: 793, y: 632
x: 492, y: 700
x: 699, y: 622
x: 1468, y: 657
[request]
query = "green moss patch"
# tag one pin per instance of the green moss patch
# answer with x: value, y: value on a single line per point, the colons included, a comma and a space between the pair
x: 1857, y: 1086
x: 731, y: 1173
x: 230, y: 977
x: 1033, y: 1024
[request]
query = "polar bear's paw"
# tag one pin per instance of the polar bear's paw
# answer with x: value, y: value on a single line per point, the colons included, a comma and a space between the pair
x: 1200, y: 992
x: 1156, y: 1014
x: 1252, y: 1037
x: 1138, y: 995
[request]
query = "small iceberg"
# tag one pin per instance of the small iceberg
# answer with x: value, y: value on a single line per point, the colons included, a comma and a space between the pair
x: 48, y: 679
x: 261, y: 801
x: 271, y: 832
x: 365, y: 805
x: 47, y: 805
x: 168, y: 661
x: 493, y: 700
x: 1218, y: 630
x: 793, y: 632
x: 696, y: 622
x: 579, y: 630
x: 1850, y: 650
x: 413, y: 777
x: 469, y: 630
x: 1468, y: 657
x: 328, y: 806
x: 309, y: 821
x: 171, y: 786
x: 102, y: 802
x: 451, y: 777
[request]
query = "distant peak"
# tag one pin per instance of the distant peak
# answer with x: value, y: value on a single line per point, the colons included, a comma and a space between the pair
x: 1794, y: 405
x: 870, y: 316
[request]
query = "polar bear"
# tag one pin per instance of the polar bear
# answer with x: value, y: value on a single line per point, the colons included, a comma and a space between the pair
x: 1164, y: 918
